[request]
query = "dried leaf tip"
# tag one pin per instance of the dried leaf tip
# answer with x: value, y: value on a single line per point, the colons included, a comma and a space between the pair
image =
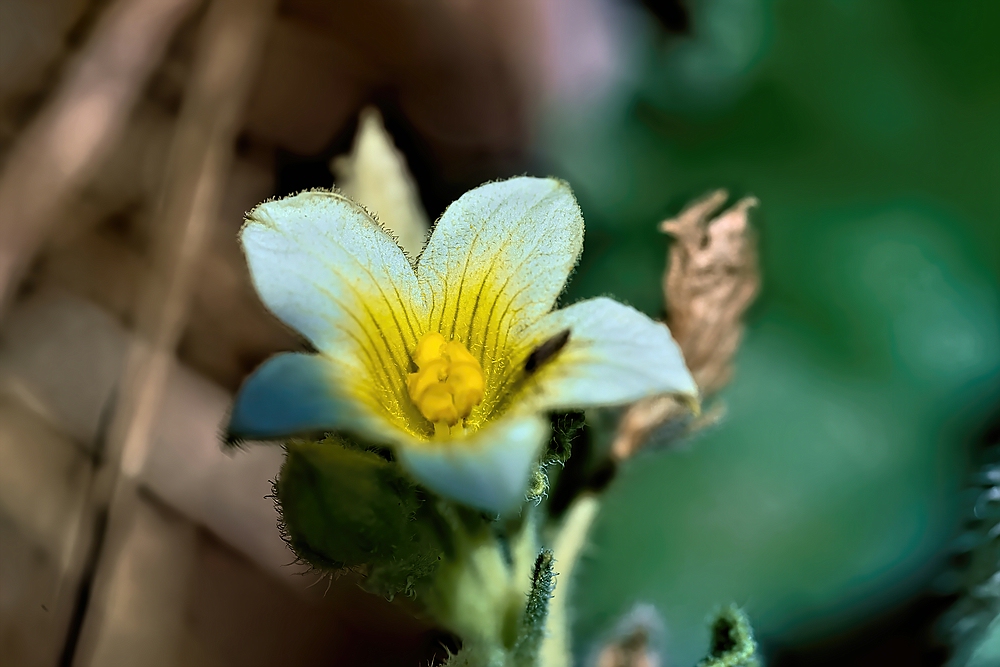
x: 711, y: 279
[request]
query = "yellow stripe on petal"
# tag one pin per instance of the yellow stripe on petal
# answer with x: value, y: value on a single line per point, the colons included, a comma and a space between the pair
x: 495, y: 263
x: 325, y: 268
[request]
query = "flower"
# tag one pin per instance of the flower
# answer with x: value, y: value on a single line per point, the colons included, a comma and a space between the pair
x: 453, y: 362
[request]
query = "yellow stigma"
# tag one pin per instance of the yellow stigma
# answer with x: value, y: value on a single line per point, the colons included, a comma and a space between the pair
x: 448, y: 383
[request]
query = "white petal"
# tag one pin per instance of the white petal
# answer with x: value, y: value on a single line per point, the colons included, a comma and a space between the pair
x: 323, y: 266
x: 294, y: 394
x: 614, y: 355
x: 488, y: 470
x: 497, y: 260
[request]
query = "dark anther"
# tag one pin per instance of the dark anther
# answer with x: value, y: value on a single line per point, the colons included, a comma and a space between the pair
x: 546, y: 351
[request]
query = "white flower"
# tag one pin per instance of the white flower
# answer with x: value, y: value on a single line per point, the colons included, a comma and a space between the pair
x: 452, y: 363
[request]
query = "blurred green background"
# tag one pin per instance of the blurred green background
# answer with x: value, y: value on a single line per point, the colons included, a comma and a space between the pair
x: 869, y: 130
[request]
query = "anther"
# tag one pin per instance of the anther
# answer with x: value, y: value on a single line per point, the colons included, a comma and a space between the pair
x: 448, y: 384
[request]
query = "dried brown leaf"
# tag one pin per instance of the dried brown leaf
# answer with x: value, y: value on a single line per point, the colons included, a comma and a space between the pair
x: 711, y: 280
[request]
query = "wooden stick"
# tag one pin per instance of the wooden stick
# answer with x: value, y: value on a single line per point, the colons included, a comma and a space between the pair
x: 66, y: 141
x: 200, y: 158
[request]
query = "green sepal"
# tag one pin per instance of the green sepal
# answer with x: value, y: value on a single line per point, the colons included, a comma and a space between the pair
x: 567, y: 428
x: 536, y: 613
x: 347, y: 508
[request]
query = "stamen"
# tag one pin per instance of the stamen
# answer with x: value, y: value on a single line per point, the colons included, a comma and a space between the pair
x: 448, y: 384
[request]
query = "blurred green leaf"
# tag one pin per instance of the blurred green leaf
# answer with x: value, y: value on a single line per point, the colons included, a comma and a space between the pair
x: 867, y: 128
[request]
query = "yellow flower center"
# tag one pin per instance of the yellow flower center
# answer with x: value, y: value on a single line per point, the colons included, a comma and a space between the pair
x: 449, y: 382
